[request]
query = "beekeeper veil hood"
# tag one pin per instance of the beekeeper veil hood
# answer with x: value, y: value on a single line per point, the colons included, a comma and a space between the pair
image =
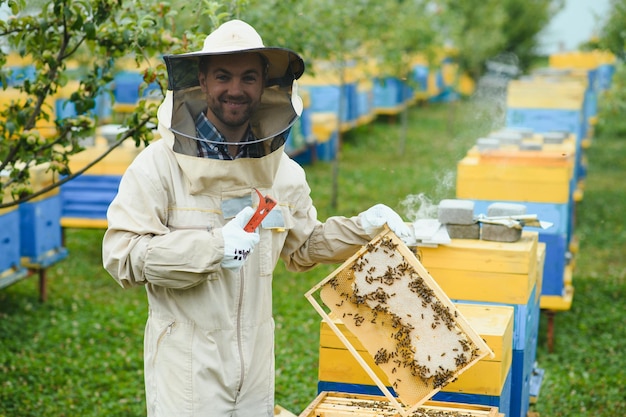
x: 280, y: 104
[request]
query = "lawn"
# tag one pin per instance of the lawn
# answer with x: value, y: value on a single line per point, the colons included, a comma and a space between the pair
x: 80, y: 354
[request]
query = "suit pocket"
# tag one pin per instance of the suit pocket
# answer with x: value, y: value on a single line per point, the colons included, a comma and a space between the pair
x: 168, y: 365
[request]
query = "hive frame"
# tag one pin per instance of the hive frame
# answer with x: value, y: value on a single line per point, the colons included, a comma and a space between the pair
x: 480, y: 344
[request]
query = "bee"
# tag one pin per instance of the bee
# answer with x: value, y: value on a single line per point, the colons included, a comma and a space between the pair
x: 460, y: 359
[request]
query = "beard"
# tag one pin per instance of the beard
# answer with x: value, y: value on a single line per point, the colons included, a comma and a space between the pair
x: 233, y: 112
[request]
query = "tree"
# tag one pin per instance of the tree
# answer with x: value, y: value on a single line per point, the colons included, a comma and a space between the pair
x: 344, y: 35
x: 525, y: 21
x: 613, y: 101
x: 613, y: 34
x: 52, y: 37
x: 483, y: 29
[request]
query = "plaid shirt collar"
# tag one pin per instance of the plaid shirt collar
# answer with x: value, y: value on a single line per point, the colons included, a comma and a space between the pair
x: 206, y: 130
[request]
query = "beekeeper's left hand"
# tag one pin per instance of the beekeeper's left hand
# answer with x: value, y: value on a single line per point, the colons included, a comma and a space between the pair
x: 374, y: 218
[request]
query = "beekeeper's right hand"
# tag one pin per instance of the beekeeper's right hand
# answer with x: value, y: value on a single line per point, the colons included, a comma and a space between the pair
x: 238, y: 243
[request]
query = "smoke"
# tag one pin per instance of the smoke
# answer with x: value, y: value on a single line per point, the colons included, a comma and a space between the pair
x: 489, y: 99
x: 445, y: 183
x: 420, y: 206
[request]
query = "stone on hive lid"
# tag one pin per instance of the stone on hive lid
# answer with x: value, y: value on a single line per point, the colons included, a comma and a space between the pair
x: 507, y: 136
x: 505, y: 209
x: 500, y: 233
x: 554, y: 137
x: 456, y: 211
x: 485, y: 144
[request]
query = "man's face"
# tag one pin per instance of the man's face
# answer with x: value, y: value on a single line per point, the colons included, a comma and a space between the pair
x: 233, y: 85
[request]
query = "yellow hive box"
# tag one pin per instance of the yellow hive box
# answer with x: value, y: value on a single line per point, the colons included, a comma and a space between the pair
x: 486, y: 271
x: 487, y: 377
x: 115, y: 163
x: 324, y: 125
x: 335, y: 404
x: 47, y: 128
x: 6, y: 198
x: 580, y: 59
x: 568, y: 94
x: 534, y: 176
x: 562, y: 302
x: 41, y: 177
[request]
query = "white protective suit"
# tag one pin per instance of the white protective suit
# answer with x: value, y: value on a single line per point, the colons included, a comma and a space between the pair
x: 210, y: 334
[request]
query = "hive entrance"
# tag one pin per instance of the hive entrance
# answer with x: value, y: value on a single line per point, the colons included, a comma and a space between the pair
x: 412, y: 330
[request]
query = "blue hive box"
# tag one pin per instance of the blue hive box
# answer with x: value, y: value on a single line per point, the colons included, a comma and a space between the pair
x: 9, y: 241
x: 89, y: 196
x: 40, y: 232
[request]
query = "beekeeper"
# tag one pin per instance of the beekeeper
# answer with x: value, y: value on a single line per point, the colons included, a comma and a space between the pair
x: 176, y: 226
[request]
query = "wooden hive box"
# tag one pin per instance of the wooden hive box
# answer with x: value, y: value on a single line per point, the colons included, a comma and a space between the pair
x: 536, y: 176
x: 333, y: 404
x: 11, y: 269
x: 41, y: 242
x: 546, y: 94
x: 9, y: 241
x: 503, y: 274
x: 115, y: 163
x: 40, y: 222
x: 86, y: 198
x: 484, y: 383
x: 480, y: 270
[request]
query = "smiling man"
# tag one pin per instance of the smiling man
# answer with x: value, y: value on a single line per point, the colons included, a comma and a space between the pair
x: 233, y: 85
x: 177, y: 224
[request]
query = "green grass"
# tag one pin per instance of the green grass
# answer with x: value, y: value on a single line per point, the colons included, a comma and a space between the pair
x: 80, y: 354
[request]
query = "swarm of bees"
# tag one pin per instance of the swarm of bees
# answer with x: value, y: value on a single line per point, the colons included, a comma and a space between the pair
x: 403, y: 319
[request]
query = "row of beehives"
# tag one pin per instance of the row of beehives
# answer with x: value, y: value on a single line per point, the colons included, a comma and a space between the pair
x: 498, y: 285
x: 365, y: 93
x: 30, y: 233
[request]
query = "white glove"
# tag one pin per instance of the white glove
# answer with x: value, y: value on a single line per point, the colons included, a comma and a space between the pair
x: 374, y: 218
x: 238, y: 243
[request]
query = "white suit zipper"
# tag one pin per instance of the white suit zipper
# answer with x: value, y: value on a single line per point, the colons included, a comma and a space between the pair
x: 239, y: 329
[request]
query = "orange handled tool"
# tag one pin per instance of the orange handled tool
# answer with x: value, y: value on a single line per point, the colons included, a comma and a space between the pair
x: 266, y: 204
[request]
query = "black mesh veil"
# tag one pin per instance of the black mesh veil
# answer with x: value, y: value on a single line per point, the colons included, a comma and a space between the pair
x: 276, y: 113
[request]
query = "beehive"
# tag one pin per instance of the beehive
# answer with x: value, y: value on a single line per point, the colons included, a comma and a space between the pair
x: 484, y: 382
x: 333, y: 404
x: 114, y: 163
x: 479, y: 270
x: 9, y: 241
x: 40, y: 229
x: 537, y: 176
x: 541, y: 93
x: 10, y: 265
x: 500, y: 273
x: 407, y: 324
x: 86, y: 198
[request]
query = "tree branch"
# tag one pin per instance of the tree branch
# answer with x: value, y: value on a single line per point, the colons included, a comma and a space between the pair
x: 70, y: 177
